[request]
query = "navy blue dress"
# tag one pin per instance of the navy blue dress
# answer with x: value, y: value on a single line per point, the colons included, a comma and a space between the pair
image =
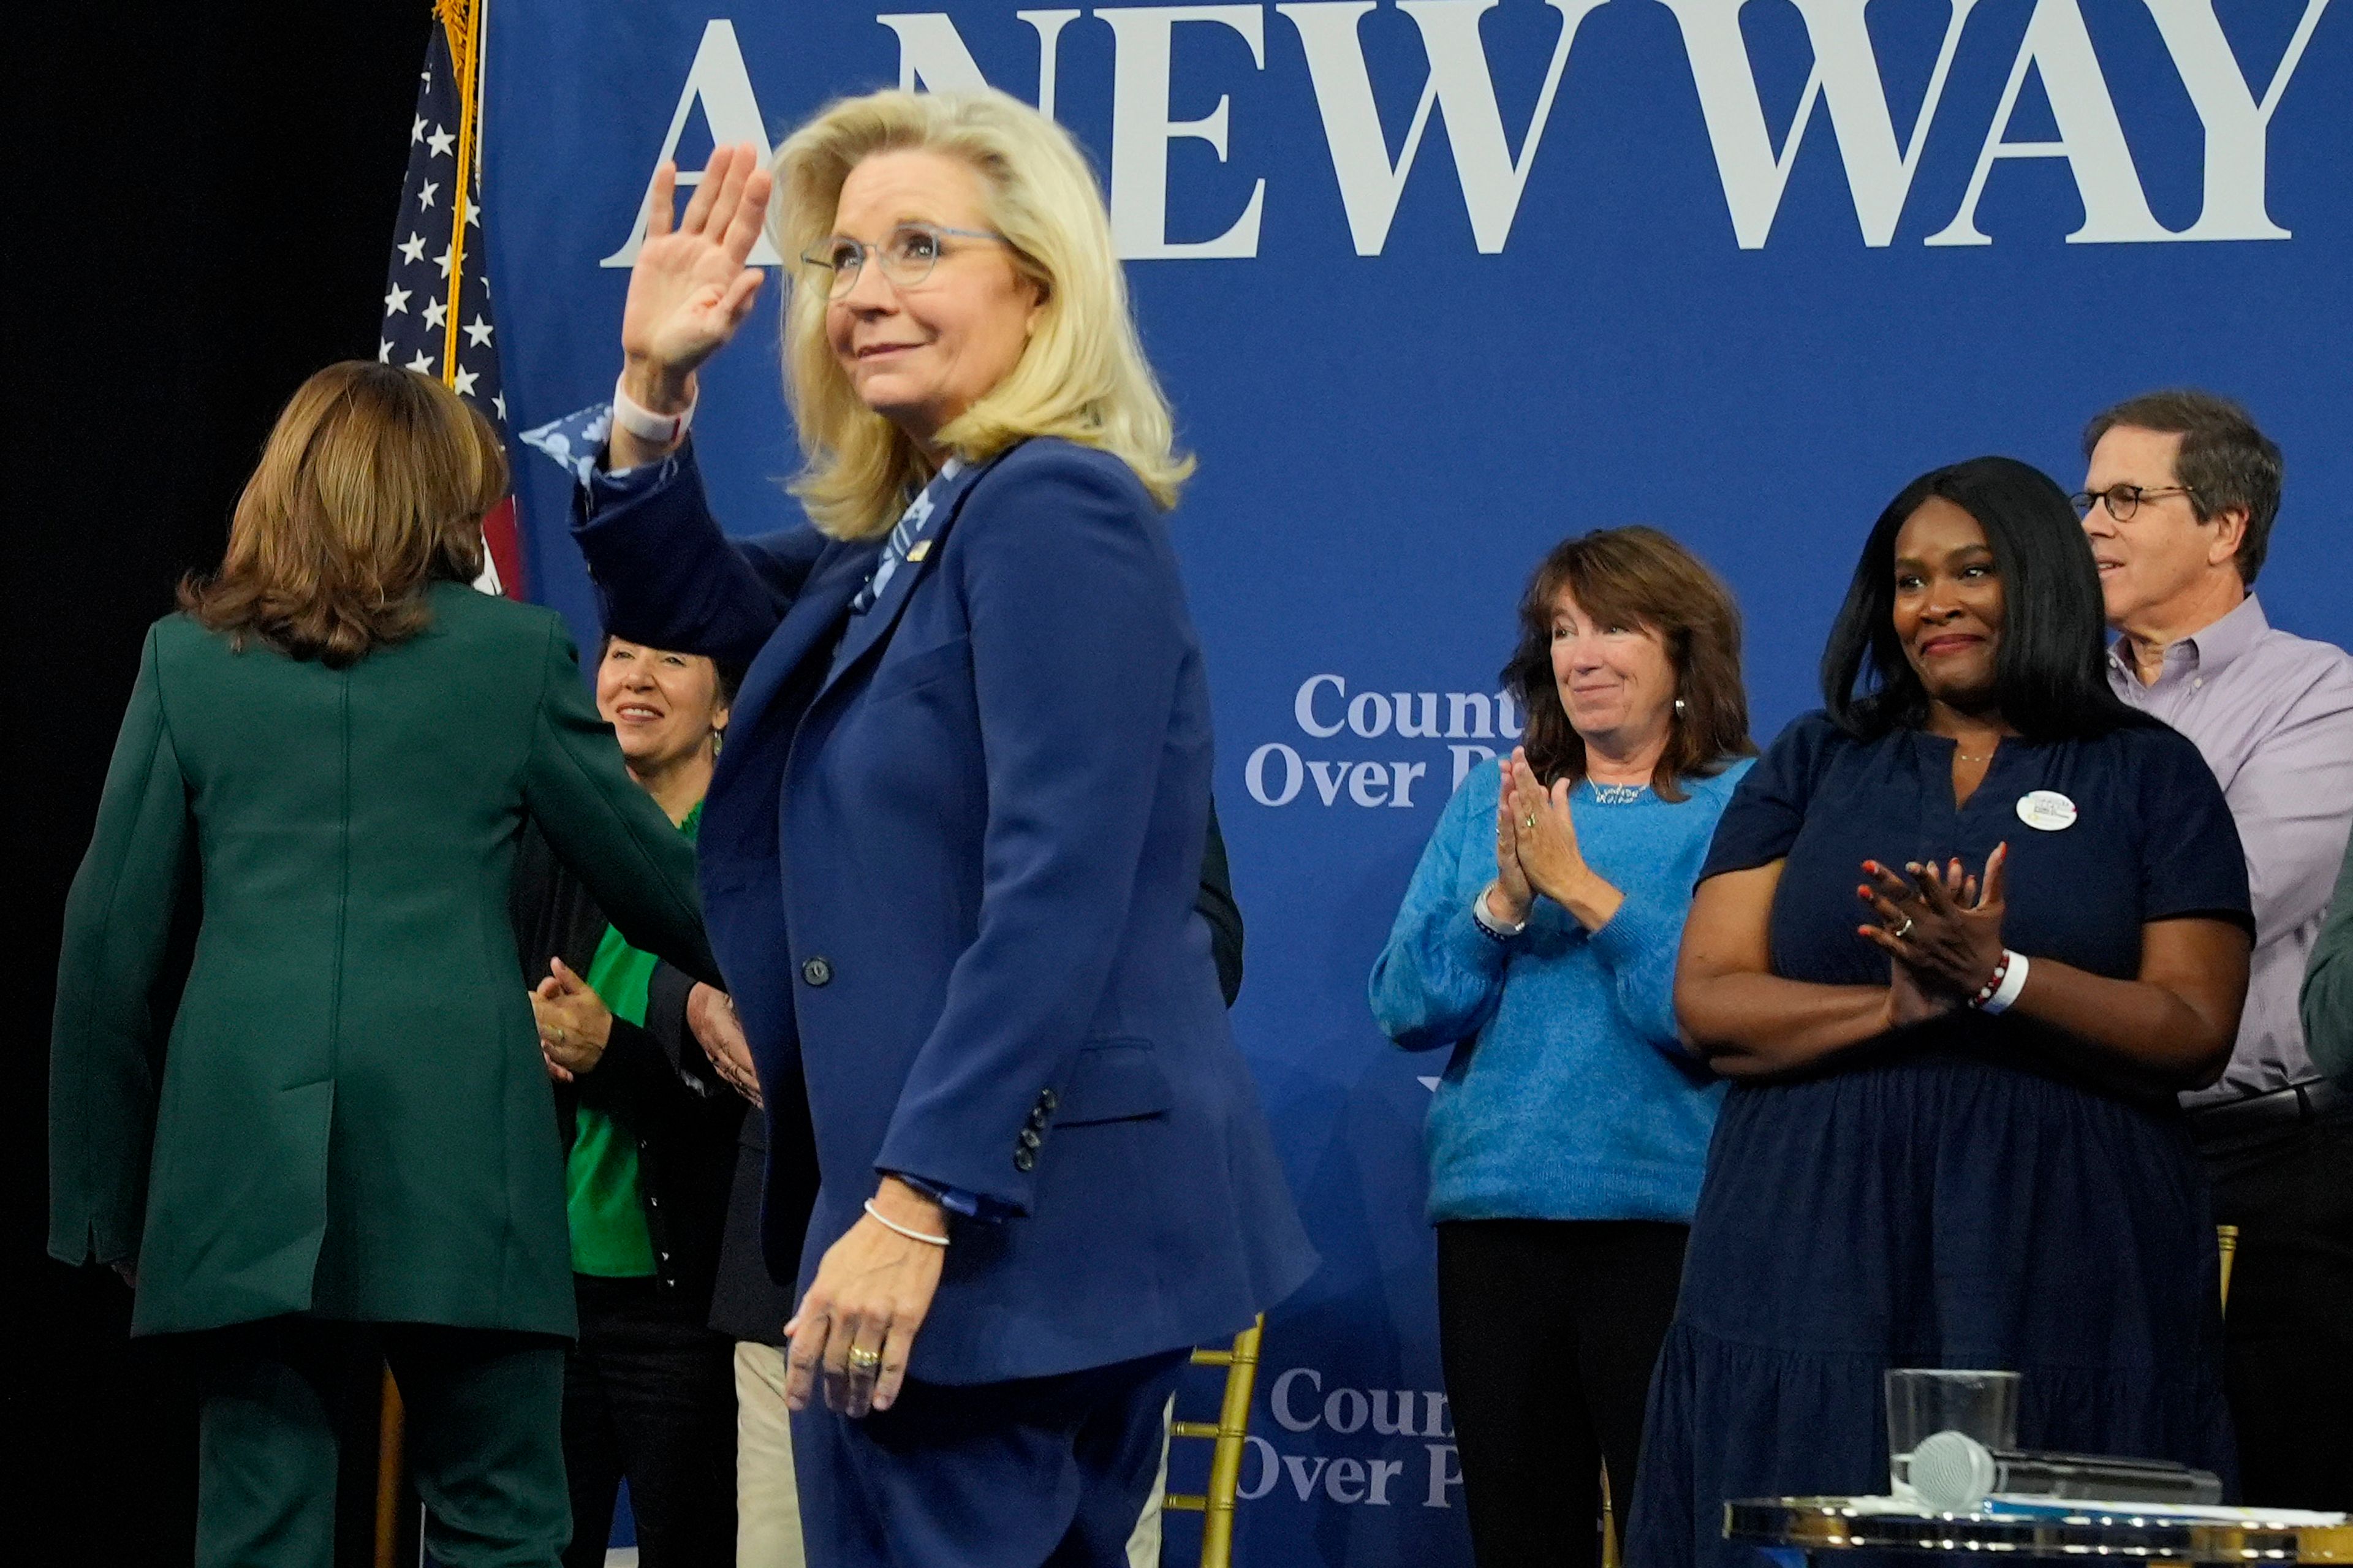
x: 1975, y: 1192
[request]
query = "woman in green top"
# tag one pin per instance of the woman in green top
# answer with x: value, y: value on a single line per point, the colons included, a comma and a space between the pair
x: 650, y: 1135
x: 341, y: 1137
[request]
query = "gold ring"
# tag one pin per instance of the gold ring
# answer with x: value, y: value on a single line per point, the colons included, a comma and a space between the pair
x: 1528, y: 822
x: 557, y: 1030
x: 864, y: 1359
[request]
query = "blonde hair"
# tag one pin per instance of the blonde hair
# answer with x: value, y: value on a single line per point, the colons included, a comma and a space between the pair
x: 1083, y: 376
x: 372, y: 487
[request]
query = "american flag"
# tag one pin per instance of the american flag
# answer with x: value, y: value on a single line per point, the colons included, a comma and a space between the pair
x: 437, y: 298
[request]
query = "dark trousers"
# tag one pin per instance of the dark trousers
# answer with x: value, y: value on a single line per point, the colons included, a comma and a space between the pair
x: 1548, y: 1330
x: 1041, y: 1472
x: 2290, y: 1325
x: 649, y: 1393
x: 483, y: 1406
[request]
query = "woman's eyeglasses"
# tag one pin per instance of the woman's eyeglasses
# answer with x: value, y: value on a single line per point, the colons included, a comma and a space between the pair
x: 906, y: 255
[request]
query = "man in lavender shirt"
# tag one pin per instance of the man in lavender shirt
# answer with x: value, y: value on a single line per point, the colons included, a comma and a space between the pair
x: 2178, y: 502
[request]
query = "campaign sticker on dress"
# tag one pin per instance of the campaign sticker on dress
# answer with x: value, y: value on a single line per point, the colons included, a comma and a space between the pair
x: 2046, y: 809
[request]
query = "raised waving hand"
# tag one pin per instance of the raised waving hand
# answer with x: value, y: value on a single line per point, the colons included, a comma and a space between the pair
x: 690, y: 289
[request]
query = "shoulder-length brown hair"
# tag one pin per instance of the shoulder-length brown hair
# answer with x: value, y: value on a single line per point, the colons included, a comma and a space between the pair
x: 372, y: 487
x: 1637, y: 576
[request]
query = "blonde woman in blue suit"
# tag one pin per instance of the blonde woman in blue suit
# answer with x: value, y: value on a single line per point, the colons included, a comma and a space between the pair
x: 977, y: 730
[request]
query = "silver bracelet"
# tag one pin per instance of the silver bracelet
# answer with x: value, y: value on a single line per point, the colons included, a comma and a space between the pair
x: 1488, y: 923
x: 887, y: 1222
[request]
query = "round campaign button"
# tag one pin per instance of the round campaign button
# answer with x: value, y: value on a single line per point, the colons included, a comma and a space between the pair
x: 2046, y: 809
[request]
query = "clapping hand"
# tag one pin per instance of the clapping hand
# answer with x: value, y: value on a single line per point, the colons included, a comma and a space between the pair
x: 1510, y: 895
x: 1545, y: 829
x: 1545, y: 848
x: 574, y: 1026
x: 1940, y: 927
x: 710, y: 1014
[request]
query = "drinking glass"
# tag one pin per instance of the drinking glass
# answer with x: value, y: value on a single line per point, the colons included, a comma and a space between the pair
x: 1923, y: 1401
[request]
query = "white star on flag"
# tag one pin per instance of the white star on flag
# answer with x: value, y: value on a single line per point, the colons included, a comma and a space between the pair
x: 440, y: 210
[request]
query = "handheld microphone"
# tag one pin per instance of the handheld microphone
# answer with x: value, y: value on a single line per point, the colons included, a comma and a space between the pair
x: 1954, y: 1473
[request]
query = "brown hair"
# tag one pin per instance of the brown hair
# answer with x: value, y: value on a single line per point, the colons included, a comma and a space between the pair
x: 372, y: 487
x: 1641, y: 577
x: 2225, y: 462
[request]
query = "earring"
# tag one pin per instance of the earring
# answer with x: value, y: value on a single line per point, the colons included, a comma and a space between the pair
x: 1681, y: 708
x: 719, y: 737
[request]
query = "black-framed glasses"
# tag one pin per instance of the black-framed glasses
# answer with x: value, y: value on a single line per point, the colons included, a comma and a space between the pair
x: 2123, y: 501
x: 907, y: 255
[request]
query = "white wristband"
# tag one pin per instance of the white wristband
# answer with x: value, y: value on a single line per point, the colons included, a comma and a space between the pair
x: 2013, y: 981
x: 887, y: 1222
x: 662, y: 429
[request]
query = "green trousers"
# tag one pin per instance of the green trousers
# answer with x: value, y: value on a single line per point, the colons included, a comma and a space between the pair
x: 485, y: 1412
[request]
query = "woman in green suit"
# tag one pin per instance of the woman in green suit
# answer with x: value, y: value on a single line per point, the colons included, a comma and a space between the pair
x: 344, y: 1136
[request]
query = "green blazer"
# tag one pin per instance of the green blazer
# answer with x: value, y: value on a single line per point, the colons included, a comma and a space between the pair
x: 350, y: 1117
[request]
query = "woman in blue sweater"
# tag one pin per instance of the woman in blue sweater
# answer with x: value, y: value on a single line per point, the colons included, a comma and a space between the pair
x: 1537, y: 941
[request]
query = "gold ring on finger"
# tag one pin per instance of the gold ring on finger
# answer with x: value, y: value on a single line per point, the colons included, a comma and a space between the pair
x: 864, y: 1359
x: 1528, y: 822
x: 558, y: 1032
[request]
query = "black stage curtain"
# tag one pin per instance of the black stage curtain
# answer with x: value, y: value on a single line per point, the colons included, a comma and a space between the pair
x: 203, y: 197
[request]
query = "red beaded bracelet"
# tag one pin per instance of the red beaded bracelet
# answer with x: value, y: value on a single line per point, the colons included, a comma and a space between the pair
x: 2000, y: 992
x: 2001, y: 972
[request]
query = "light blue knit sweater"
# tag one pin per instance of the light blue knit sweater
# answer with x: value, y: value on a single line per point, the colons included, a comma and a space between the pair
x: 1569, y: 1095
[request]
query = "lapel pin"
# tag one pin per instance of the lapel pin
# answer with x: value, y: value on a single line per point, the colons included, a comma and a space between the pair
x: 917, y: 551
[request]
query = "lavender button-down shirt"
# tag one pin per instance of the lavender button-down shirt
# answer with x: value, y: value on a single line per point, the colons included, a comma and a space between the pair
x: 2273, y: 713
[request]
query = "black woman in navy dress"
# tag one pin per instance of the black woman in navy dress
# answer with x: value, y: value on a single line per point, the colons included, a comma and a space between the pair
x: 1960, y: 940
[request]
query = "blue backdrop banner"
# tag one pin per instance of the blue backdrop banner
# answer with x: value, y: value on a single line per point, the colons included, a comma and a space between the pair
x: 1433, y: 283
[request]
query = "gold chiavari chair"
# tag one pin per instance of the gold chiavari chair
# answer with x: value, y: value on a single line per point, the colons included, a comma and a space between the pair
x: 1226, y: 1435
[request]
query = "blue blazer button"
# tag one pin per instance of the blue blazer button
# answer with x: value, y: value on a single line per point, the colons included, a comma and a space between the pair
x: 817, y: 971
x: 1024, y: 1161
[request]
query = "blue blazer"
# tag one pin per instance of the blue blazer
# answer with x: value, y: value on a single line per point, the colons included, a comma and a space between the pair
x: 949, y: 862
